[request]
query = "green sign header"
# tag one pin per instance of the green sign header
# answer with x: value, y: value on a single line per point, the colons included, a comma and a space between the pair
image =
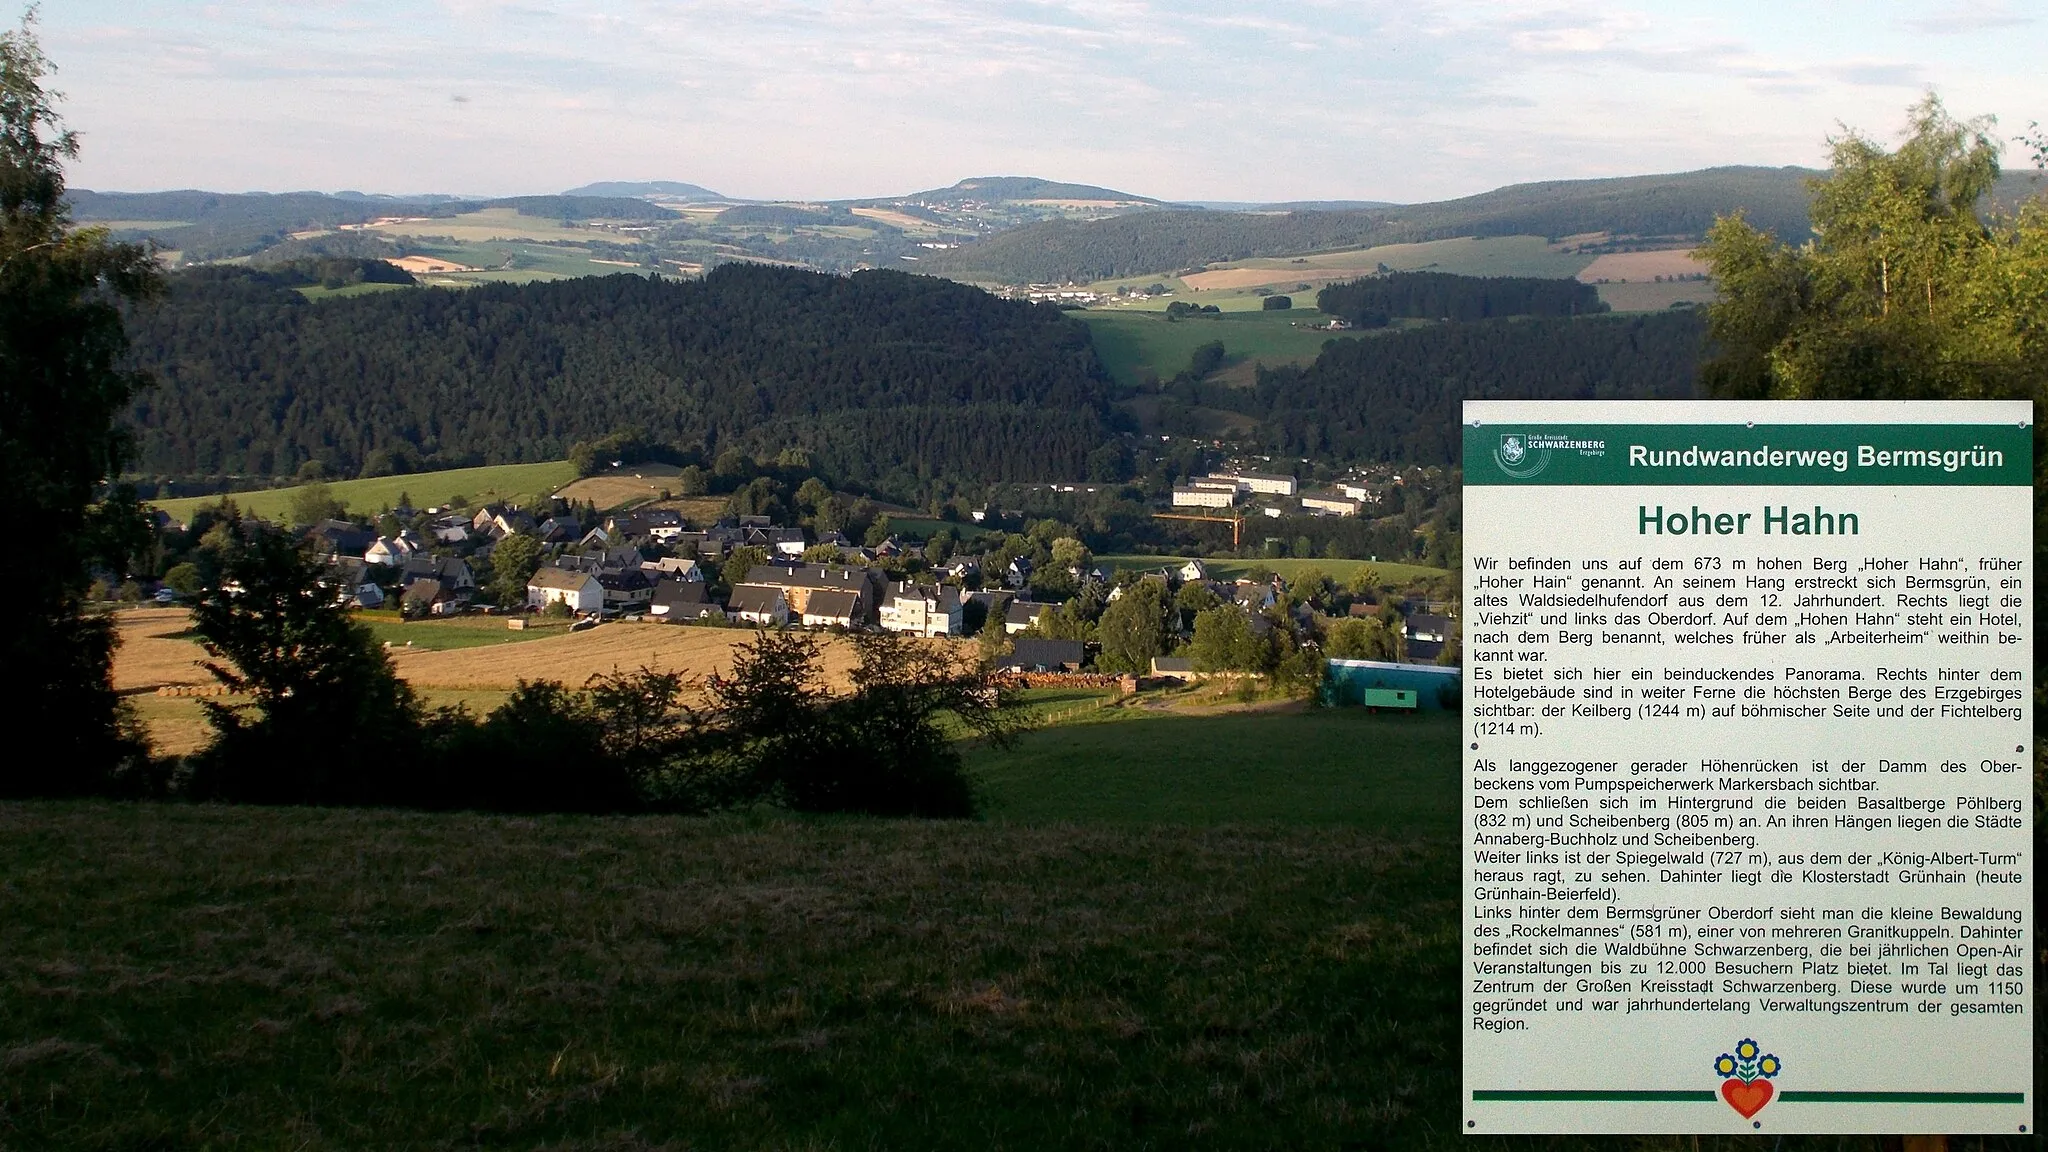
x: 1727, y: 454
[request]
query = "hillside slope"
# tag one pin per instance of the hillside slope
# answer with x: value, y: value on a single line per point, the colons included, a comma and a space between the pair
x: 870, y: 374
x: 1679, y: 205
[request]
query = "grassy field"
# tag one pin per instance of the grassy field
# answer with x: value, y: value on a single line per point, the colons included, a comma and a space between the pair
x: 1131, y: 342
x: 456, y: 632
x: 1237, y: 284
x: 514, y: 482
x: 1059, y: 977
x: 1343, y: 571
x: 1298, y: 769
x: 1651, y: 296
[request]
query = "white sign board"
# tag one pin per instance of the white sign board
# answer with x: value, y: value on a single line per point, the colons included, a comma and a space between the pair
x: 1748, y: 767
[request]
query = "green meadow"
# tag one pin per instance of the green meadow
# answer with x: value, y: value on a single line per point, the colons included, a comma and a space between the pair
x: 1134, y: 342
x: 513, y: 482
x: 1232, y: 930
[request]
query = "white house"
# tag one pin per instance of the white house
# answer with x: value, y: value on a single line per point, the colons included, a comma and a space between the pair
x: 922, y: 611
x: 1204, y: 497
x: 1329, y: 503
x: 394, y: 551
x: 1270, y: 483
x: 830, y: 608
x: 1023, y: 614
x: 1194, y: 570
x: 759, y: 604
x: 581, y: 591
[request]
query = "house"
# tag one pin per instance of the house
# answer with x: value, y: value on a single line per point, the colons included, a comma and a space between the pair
x: 1018, y: 574
x: 1044, y: 656
x: 1329, y: 503
x: 1173, y: 668
x: 1193, y: 571
x: 799, y: 583
x: 679, y: 599
x: 557, y: 531
x: 394, y: 551
x: 1251, y: 595
x: 1268, y: 483
x: 759, y: 604
x: 1188, y: 497
x: 426, y: 597
x: 452, y: 571
x: 921, y: 610
x: 785, y: 541
x: 552, y: 584
x: 625, y: 590
x: 333, y: 539
x: 1023, y: 614
x: 1426, y: 635
x: 962, y: 567
x: 675, y: 566
x: 830, y: 608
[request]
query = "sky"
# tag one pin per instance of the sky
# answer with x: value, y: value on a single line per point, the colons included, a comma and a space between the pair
x: 1218, y: 100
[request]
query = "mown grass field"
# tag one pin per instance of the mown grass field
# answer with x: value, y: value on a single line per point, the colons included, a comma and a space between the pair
x: 1132, y: 342
x: 514, y: 482
x: 1343, y: 571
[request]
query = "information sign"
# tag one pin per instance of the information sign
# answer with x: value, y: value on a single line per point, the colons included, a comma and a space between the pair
x: 1748, y: 767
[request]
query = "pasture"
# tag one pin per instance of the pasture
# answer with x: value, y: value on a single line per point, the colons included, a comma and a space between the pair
x: 495, y: 225
x: 518, y: 483
x: 1234, y: 285
x: 1651, y: 296
x: 1131, y: 343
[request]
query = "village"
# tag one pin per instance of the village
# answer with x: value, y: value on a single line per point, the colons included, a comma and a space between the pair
x: 1036, y: 598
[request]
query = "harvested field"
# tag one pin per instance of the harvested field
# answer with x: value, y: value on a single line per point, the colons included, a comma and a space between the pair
x: 574, y: 658
x: 424, y: 264
x: 156, y: 651
x: 1633, y: 266
x: 635, y: 484
x: 895, y: 219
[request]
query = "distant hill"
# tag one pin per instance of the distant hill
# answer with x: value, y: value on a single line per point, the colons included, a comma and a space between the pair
x: 668, y: 189
x: 1675, y: 208
x: 1010, y: 189
x: 1680, y: 205
x: 223, y: 225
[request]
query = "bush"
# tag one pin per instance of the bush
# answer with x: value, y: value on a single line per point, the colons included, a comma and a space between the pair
x: 1277, y: 303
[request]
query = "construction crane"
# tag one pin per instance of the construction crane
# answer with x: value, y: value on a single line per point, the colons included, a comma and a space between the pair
x: 1236, y: 524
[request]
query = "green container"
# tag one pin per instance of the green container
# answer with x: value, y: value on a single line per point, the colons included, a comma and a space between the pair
x: 1388, y: 698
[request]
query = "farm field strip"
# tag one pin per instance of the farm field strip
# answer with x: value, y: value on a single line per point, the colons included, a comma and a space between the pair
x: 514, y: 482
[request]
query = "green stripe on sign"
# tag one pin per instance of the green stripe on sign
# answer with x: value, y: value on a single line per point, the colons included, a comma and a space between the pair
x: 1903, y: 1097
x: 1674, y: 1095
x: 1682, y: 455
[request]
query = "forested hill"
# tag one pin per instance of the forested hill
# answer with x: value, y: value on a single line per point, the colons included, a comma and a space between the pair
x: 1682, y: 204
x: 874, y: 373
x: 1397, y: 397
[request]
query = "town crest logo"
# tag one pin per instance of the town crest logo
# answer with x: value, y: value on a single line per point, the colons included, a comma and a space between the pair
x: 1747, y: 1074
x: 1517, y: 457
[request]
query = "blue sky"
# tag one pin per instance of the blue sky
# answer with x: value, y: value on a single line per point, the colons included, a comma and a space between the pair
x: 1190, y: 99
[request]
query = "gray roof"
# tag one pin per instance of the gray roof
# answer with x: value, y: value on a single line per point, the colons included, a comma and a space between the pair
x: 756, y: 598
x: 1026, y: 611
x: 1049, y: 655
x: 832, y: 603
x: 560, y: 578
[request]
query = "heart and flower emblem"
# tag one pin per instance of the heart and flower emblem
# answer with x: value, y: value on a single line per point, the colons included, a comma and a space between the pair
x: 1747, y: 1073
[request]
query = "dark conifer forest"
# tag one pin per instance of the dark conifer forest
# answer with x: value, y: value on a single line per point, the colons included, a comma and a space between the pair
x: 1396, y: 398
x: 1372, y: 301
x: 874, y: 373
